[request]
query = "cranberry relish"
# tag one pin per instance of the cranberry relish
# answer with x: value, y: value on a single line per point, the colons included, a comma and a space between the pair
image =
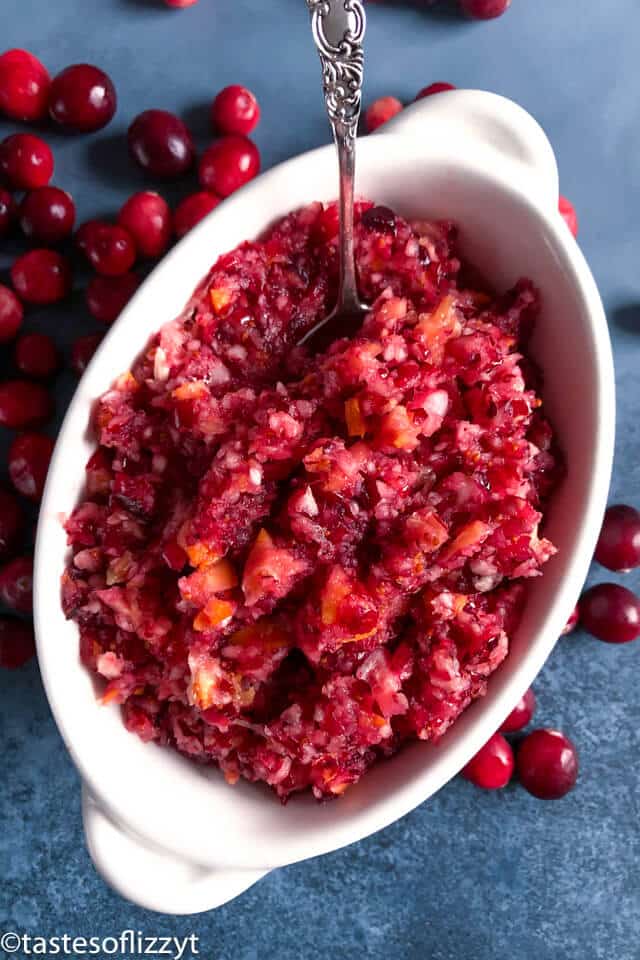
x: 290, y: 565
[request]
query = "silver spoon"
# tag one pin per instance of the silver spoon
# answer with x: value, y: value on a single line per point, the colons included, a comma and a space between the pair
x: 338, y: 30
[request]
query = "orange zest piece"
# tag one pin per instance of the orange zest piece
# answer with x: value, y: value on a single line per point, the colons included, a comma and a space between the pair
x: 356, y: 426
x: 201, y: 554
x: 215, y: 613
x: 470, y: 535
x: 220, y: 298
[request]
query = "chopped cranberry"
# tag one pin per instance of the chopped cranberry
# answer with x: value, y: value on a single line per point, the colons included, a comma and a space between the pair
x: 23, y: 404
x: 10, y: 521
x: 611, y: 613
x: 82, y: 98
x: 108, y: 296
x: 618, y: 546
x: 569, y: 215
x: 381, y: 219
x: 492, y: 766
x: 36, y: 355
x: 235, y: 110
x: 24, y: 86
x: 47, y: 215
x: 485, y: 9
x: 29, y: 457
x: 17, y: 643
x: 438, y: 87
x: 82, y: 351
x: 161, y: 143
x: 147, y: 217
x: 110, y: 249
x: 192, y: 210
x: 41, y: 276
x: 7, y: 212
x: 380, y: 111
x: 547, y: 764
x: 521, y: 714
x: 11, y: 314
x: 16, y: 584
x: 572, y: 622
x: 228, y: 164
x: 26, y: 161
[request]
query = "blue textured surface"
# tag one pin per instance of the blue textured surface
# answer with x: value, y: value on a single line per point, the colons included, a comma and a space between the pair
x: 487, y: 876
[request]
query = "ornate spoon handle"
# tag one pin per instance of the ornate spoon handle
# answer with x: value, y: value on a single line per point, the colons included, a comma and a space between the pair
x: 338, y: 30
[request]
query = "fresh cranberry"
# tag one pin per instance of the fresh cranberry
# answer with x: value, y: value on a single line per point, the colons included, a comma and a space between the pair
x: 26, y: 161
x: 108, y: 296
x: 521, y: 714
x: 572, y: 622
x: 24, y: 86
x: 16, y: 584
x: 161, y: 143
x: 87, y: 232
x: 47, y: 215
x: 10, y: 521
x: 569, y: 215
x: 547, y: 764
x: 23, y: 404
x: 82, y: 98
x: 29, y: 457
x: 380, y: 111
x: 7, y: 212
x: 41, y: 276
x: 228, y: 164
x: 438, y: 87
x: 611, y: 613
x: 381, y: 219
x: 82, y: 351
x: 110, y: 250
x: 192, y: 210
x: 36, y: 356
x: 147, y: 217
x: 485, y: 9
x: 11, y: 314
x: 235, y: 110
x: 492, y: 766
x: 17, y: 643
x: 618, y: 546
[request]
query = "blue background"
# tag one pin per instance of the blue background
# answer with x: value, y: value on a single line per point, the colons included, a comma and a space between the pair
x: 469, y: 874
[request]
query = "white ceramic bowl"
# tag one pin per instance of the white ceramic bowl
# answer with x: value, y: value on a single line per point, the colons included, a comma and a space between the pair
x: 172, y: 836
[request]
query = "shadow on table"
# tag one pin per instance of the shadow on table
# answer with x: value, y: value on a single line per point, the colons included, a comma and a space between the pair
x: 627, y: 317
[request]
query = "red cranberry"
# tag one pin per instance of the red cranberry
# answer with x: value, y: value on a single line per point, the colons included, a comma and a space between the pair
x: 521, y: 714
x: 569, y: 215
x: 24, y: 86
x: 26, y: 161
x: 492, y: 766
x: 161, y: 143
x: 23, y: 404
x: 7, y: 212
x: 611, y: 613
x: 10, y: 521
x: 228, y: 164
x: 11, y: 314
x: 47, y: 215
x: 29, y: 457
x: 328, y: 224
x: 17, y: 643
x: 618, y: 546
x: 110, y: 249
x: 41, y: 276
x: 438, y: 87
x: 235, y: 110
x: 147, y: 217
x: 82, y: 98
x: 572, y: 622
x: 86, y: 233
x: 108, y: 296
x: 380, y: 111
x: 485, y: 9
x: 547, y: 764
x: 192, y: 210
x: 82, y: 351
x: 180, y: 4
x: 16, y: 584
x: 36, y: 355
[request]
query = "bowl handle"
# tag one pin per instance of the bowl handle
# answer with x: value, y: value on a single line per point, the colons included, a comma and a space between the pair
x: 475, y: 120
x: 153, y: 877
